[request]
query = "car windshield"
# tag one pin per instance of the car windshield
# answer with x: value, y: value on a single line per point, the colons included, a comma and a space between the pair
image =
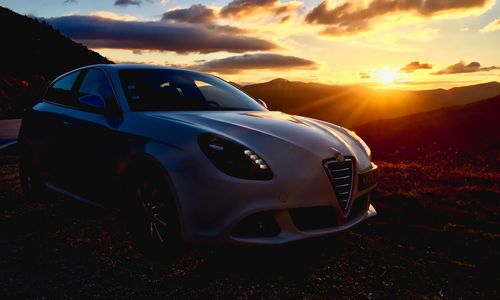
x: 178, y: 90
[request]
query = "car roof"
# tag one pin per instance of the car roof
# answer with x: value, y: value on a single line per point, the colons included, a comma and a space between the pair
x: 134, y: 66
x: 116, y: 67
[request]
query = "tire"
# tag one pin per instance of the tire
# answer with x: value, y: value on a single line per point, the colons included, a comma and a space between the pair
x: 31, y: 180
x: 151, y: 211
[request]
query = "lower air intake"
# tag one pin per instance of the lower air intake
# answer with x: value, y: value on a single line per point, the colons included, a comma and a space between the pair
x: 261, y: 224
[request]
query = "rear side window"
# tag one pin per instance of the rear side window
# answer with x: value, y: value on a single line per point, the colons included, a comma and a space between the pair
x: 97, y: 83
x: 61, y: 91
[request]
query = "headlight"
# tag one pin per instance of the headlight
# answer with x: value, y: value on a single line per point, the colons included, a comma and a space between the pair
x: 234, y: 159
x: 361, y: 142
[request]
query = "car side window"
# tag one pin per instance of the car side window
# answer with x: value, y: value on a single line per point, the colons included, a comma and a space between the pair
x: 61, y: 91
x: 97, y: 83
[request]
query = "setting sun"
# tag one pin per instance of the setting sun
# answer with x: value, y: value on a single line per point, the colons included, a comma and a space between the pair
x: 386, y: 76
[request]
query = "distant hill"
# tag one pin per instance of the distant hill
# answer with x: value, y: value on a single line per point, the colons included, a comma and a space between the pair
x: 37, y: 56
x: 447, y: 133
x: 351, y: 106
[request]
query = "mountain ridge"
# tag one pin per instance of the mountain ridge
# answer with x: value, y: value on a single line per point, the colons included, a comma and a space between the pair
x: 31, y: 62
x: 351, y: 106
x: 449, y: 133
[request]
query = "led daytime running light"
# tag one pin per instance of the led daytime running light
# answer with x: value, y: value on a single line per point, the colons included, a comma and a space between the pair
x: 255, y: 159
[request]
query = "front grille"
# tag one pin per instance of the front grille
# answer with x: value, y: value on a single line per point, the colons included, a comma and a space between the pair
x: 341, y: 177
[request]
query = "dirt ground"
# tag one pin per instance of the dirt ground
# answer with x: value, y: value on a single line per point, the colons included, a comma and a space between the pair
x: 437, y: 236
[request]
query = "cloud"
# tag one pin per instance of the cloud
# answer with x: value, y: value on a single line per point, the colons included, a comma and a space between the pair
x: 284, y: 19
x: 99, y: 32
x: 463, y: 67
x: 492, y: 26
x: 125, y: 3
x: 415, y: 65
x: 239, y: 63
x: 70, y: 2
x: 244, y: 8
x: 197, y: 13
x: 364, y: 75
x: 353, y: 17
x: 112, y: 15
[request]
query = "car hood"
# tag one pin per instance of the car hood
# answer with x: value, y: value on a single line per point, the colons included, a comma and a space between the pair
x: 274, y: 131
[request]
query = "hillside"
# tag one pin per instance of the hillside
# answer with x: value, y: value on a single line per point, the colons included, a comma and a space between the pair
x: 448, y: 133
x: 351, y: 106
x: 37, y: 56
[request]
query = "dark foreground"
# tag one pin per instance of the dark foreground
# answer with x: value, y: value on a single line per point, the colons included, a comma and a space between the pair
x: 437, y: 236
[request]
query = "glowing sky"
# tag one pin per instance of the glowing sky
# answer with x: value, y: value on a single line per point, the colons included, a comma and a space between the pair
x: 408, y: 44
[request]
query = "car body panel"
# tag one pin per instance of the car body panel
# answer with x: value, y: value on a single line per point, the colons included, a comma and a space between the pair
x: 89, y: 152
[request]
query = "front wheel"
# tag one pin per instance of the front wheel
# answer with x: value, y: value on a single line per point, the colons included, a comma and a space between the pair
x: 152, y: 211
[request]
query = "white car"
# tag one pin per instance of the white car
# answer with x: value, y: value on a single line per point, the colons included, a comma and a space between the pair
x: 190, y: 156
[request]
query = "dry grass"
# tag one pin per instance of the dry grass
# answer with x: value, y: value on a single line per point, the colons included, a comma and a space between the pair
x: 437, y: 236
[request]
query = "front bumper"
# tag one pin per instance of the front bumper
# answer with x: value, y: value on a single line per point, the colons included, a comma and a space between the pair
x: 213, y: 205
x: 289, y: 230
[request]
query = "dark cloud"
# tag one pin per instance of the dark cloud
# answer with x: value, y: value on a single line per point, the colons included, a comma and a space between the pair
x: 415, y: 65
x: 125, y: 3
x: 463, y: 67
x: 351, y: 18
x: 239, y: 63
x: 225, y: 28
x: 98, y: 32
x: 70, y: 2
x: 197, y: 13
x: 284, y: 19
x: 242, y: 8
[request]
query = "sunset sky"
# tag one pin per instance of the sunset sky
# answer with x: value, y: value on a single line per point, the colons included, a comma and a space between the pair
x: 407, y: 44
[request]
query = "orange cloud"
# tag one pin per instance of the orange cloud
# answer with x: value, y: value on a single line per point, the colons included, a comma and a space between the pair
x: 244, y: 8
x: 415, y: 65
x: 112, y: 16
x: 364, y: 75
x: 352, y: 17
x: 463, y: 67
x: 492, y: 26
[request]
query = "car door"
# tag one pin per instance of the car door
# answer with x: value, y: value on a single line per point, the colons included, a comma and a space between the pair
x: 48, y: 126
x: 93, y: 149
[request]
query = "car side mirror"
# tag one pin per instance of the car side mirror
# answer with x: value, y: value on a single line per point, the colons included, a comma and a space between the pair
x: 93, y: 102
x: 262, y: 102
